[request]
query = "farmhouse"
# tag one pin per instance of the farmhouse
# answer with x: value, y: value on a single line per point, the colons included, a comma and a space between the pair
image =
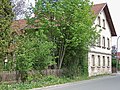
x: 99, y: 56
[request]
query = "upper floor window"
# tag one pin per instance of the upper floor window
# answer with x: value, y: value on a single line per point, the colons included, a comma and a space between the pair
x: 108, y: 43
x: 93, y: 60
x: 103, y: 42
x: 99, y: 21
x: 99, y: 41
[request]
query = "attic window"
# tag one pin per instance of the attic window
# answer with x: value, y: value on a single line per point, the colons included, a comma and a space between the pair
x: 103, y: 23
x: 99, y: 21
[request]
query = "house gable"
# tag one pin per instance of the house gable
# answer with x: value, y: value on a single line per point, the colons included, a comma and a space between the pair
x: 98, y: 8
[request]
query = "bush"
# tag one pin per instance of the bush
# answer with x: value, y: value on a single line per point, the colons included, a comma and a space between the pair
x: 114, y: 62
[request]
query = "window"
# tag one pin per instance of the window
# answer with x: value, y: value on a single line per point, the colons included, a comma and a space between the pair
x: 108, y: 61
x: 93, y: 60
x: 36, y: 1
x: 98, y: 60
x: 108, y: 42
x: 103, y: 60
x: 99, y: 21
x: 99, y: 41
x: 103, y: 42
x: 103, y: 24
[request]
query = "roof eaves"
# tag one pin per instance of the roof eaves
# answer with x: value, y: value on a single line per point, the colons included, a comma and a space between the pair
x: 109, y: 19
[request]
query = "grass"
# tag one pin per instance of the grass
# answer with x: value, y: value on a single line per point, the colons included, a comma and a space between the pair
x: 42, y: 82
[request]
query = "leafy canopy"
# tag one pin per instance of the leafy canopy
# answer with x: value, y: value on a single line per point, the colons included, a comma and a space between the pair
x: 6, y: 17
x: 68, y: 24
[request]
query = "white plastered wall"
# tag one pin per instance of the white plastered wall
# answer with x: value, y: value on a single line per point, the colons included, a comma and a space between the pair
x: 100, y: 50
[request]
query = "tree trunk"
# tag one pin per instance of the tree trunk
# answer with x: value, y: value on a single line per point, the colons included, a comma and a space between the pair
x: 62, y: 54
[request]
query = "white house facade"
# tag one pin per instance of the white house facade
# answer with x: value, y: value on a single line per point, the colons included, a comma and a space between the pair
x: 99, y: 56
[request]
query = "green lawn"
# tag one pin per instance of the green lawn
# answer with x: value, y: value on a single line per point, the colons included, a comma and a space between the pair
x: 42, y: 82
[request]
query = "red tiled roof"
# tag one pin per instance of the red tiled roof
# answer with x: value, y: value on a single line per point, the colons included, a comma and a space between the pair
x: 97, y: 8
x: 18, y: 25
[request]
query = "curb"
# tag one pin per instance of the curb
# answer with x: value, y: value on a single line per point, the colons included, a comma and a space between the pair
x: 69, y: 83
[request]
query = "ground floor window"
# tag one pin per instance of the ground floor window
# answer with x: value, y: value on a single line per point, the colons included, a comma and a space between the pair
x: 103, y: 60
x: 98, y: 60
x: 93, y: 60
x: 108, y: 59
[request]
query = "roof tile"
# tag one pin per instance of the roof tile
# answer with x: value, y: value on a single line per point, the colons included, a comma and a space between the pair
x: 97, y: 8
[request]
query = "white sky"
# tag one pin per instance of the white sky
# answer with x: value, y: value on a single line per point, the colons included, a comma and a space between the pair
x: 114, y: 7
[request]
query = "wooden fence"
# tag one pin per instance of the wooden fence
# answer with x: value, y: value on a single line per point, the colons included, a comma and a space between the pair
x: 56, y: 72
x: 7, y: 76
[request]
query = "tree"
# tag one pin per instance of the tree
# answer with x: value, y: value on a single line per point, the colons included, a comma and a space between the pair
x: 31, y: 45
x: 68, y: 24
x: 33, y: 52
x: 6, y: 17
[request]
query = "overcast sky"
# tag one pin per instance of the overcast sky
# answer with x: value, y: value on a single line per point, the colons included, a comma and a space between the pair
x: 114, y: 7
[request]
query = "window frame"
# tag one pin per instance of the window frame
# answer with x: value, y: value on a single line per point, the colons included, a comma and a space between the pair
x: 99, y: 63
x: 93, y: 60
x: 103, y: 61
x: 99, y: 41
x: 108, y: 43
x: 103, y: 42
x: 99, y: 21
x: 103, y: 23
x: 108, y: 61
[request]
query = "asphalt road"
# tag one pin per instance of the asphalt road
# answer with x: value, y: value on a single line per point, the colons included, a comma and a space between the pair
x: 104, y: 83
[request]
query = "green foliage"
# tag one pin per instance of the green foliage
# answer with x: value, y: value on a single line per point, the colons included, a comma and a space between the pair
x: 68, y: 24
x: 6, y: 16
x: 35, y: 77
x: 114, y: 62
x: 119, y: 67
x: 33, y: 52
x: 42, y: 82
x: 76, y: 62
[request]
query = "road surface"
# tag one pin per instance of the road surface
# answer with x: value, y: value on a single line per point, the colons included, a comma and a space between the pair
x: 104, y: 83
